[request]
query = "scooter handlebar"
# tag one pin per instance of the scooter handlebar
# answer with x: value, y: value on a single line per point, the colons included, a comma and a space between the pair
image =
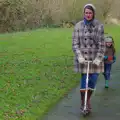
x: 86, y: 61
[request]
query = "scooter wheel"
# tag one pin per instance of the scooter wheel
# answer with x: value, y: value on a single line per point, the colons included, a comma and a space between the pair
x: 85, y: 113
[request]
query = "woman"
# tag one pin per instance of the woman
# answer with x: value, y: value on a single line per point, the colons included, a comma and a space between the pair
x: 88, y: 44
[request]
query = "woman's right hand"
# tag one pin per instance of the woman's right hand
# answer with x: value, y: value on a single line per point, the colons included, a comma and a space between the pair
x: 81, y: 59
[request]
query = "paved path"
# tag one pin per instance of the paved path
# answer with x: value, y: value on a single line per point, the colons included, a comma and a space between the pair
x: 105, y: 103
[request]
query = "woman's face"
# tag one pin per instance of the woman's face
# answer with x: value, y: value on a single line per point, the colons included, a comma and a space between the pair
x: 88, y: 14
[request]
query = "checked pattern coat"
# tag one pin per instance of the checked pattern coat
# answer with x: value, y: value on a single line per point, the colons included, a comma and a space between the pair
x: 88, y: 41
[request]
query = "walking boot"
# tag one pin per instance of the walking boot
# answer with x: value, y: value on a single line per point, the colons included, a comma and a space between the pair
x: 82, y: 100
x: 89, y: 100
x: 106, y: 84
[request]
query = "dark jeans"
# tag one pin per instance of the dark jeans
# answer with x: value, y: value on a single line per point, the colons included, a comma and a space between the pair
x: 91, y: 83
x: 107, y: 71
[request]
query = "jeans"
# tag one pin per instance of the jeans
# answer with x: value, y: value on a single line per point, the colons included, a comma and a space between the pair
x: 107, y: 70
x: 91, y: 83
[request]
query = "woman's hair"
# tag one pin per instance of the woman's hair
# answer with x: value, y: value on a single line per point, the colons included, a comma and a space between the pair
x: 89, y: 7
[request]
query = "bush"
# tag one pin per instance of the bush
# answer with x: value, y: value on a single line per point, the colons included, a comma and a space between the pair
x: 19, y: 15
x: 12, y: 15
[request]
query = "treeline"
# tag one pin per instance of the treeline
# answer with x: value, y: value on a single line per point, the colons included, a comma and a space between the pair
x: 19, y: 15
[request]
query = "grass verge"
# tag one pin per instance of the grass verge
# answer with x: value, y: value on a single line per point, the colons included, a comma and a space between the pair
x: 36, y: 70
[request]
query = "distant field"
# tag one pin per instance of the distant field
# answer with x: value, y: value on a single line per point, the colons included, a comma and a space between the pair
x: 36, y: 70
x: 114, y: 31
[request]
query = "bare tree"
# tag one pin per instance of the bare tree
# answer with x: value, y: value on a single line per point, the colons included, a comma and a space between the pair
x: 104, y: 7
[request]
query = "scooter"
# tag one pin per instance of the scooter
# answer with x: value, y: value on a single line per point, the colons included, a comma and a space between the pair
x: 85, y: 110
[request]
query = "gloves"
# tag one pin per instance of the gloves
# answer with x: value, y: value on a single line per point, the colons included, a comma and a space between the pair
x: 81, y: 59
x: 96, y: 61
x: 110, y: 58
x: 105, y: 57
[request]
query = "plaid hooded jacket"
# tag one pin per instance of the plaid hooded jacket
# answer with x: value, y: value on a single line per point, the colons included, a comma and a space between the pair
x: 88, y: 41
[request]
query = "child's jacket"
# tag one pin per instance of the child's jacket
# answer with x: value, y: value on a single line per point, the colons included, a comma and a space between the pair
x: 110, y: 52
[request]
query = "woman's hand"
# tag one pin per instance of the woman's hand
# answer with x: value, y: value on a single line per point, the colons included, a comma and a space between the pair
x: 96, y: 62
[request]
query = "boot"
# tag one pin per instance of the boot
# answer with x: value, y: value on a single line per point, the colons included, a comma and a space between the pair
x: 106, y: 84
x: 88, y: 100
x: 82, y: 99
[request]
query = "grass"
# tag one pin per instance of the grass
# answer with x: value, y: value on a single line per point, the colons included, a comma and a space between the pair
x: 114, y: 31
x: 36, y: 70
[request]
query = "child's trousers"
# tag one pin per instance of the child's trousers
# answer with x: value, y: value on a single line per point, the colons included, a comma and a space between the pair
x: 107, y: 71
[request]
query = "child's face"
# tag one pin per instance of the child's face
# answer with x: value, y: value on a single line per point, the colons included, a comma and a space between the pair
x: 108, y: 44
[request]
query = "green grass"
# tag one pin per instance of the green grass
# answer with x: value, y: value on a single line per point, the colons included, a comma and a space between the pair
x: 36, y: 70
x: 114, y: 31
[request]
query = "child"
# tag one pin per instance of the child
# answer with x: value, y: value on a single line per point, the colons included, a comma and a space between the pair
x: 109, y: 58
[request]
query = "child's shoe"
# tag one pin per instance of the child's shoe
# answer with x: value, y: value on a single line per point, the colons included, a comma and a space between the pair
x: 106, y: 84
